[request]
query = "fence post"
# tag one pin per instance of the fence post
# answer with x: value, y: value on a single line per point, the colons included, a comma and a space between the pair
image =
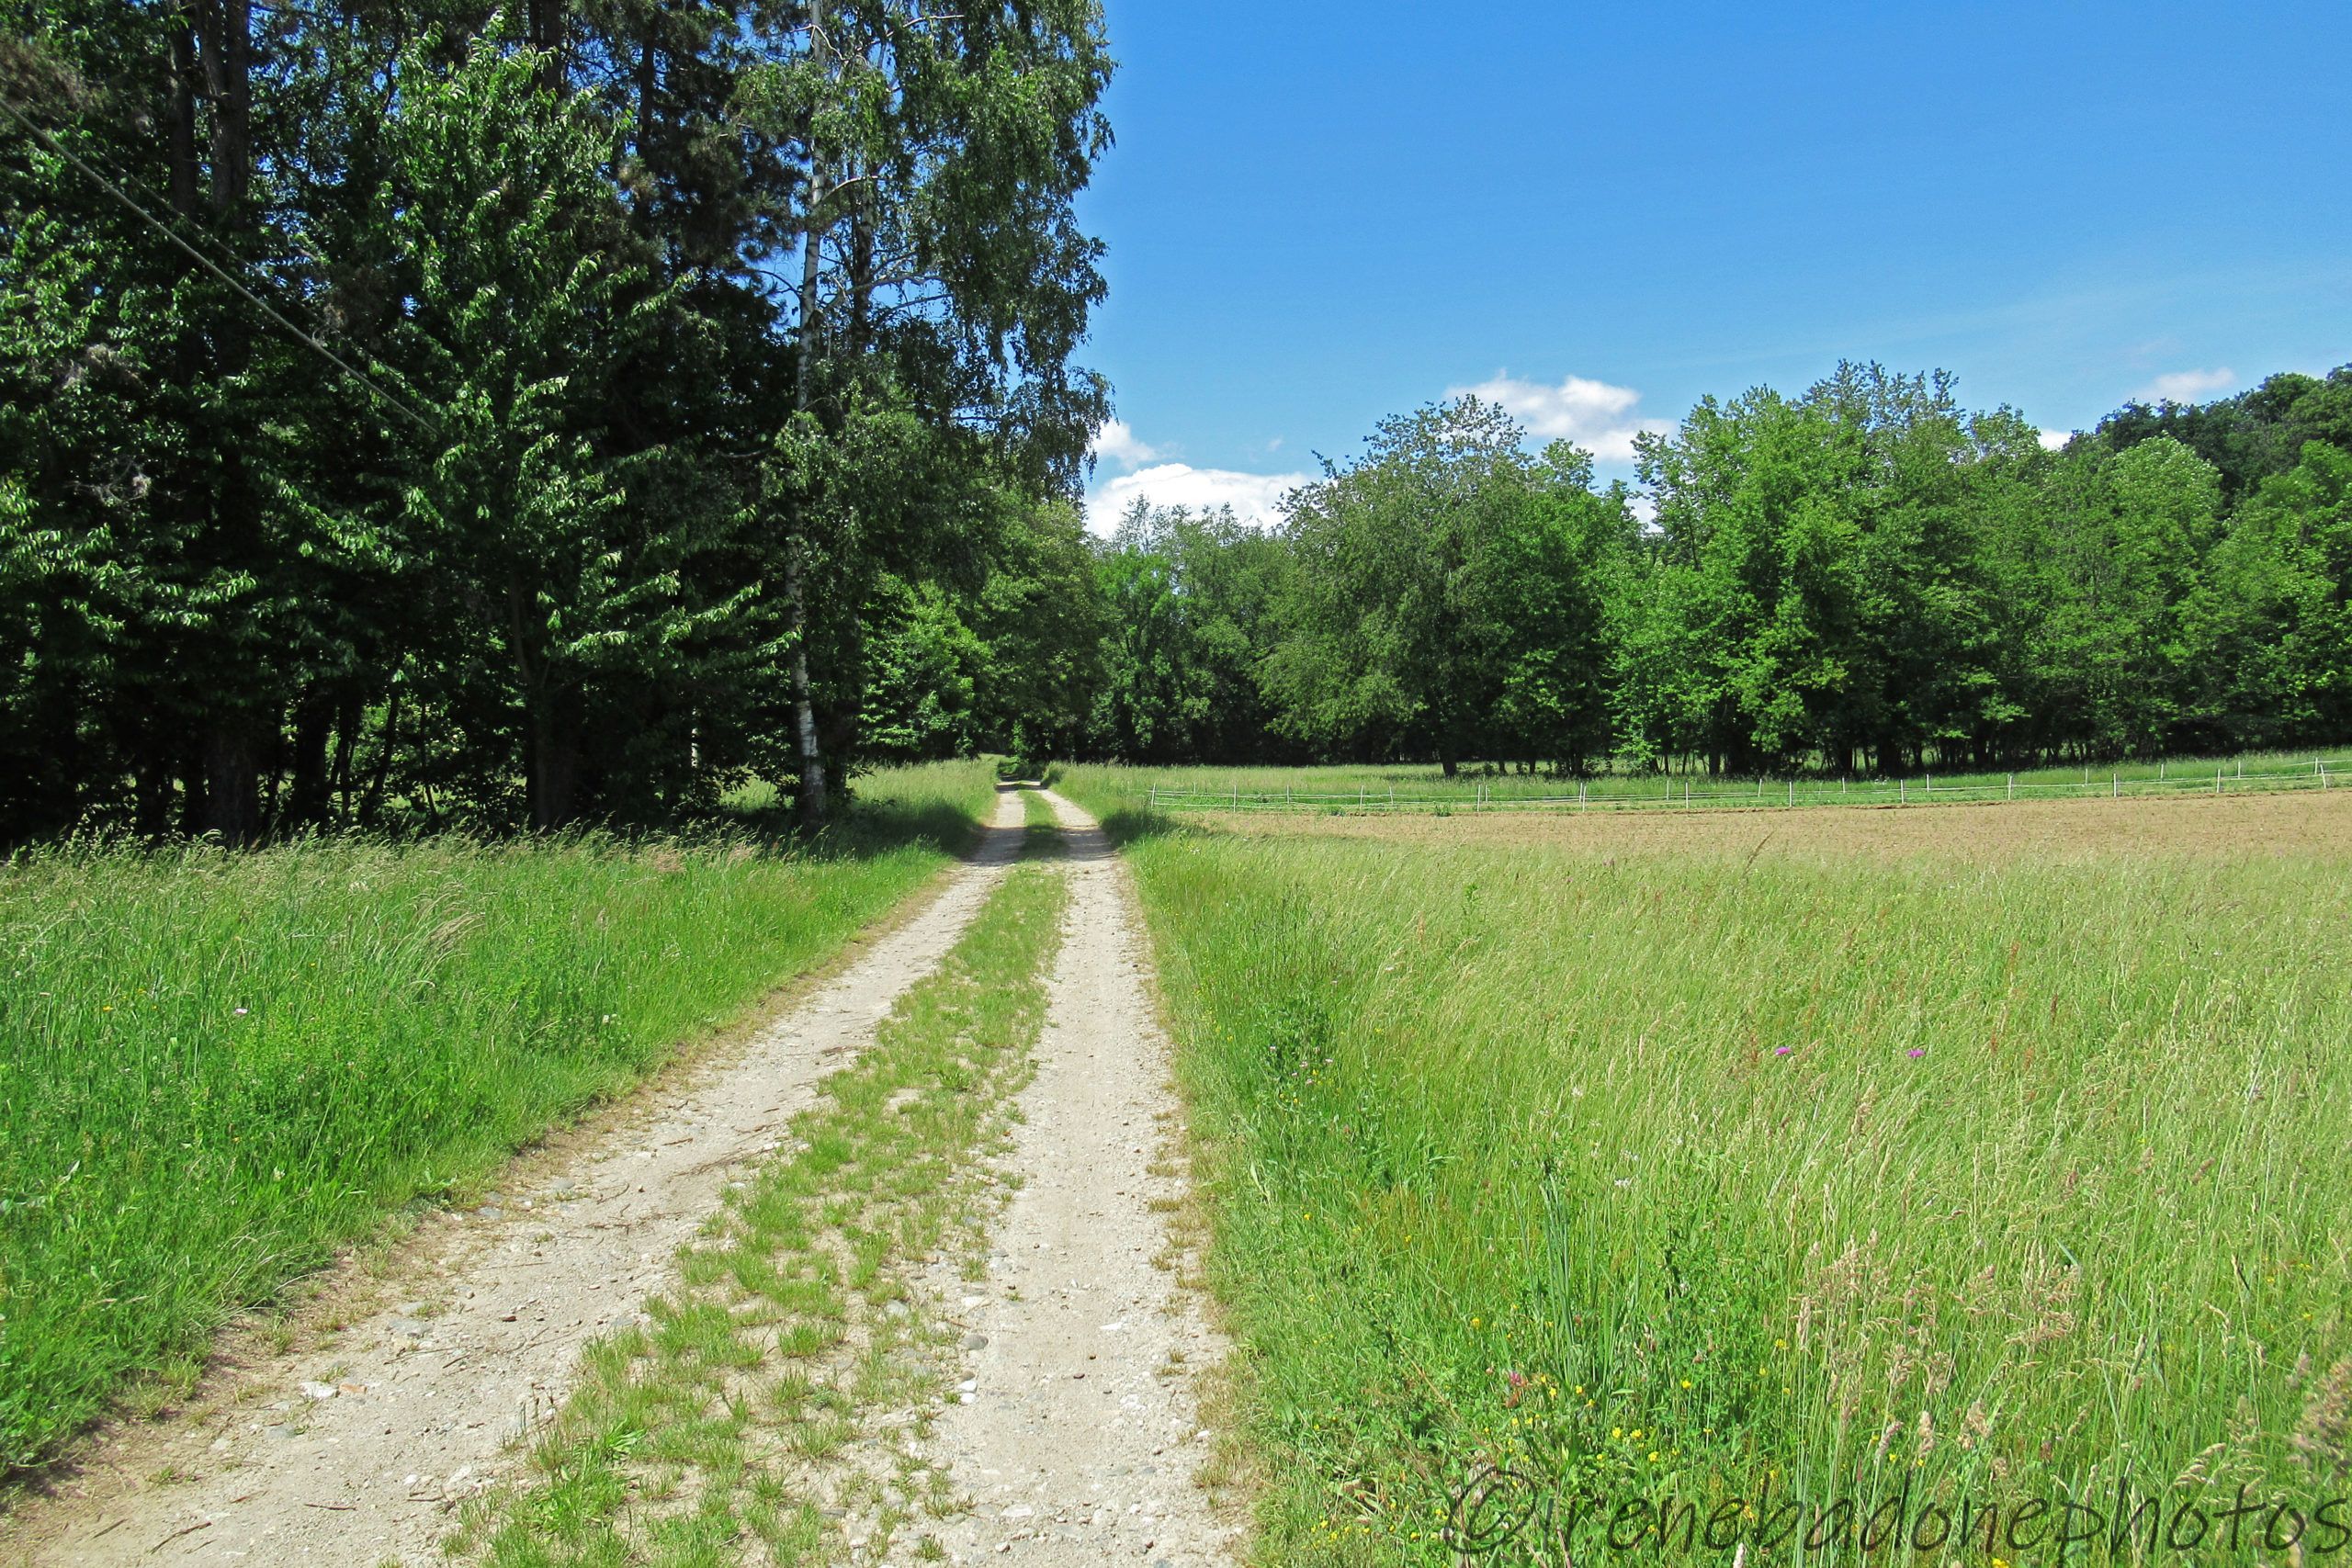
x: 1903, y: 792
x: 1931, y: 784
x: 2115, y: 785
x: 2013, y: 787
x: 1360, y: 797
x: 1792, y: 792
x: 1154, y: 805
x: 2217, y: 781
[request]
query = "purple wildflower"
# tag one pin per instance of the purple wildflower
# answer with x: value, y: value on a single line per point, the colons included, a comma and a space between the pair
x: 1916, y: 1054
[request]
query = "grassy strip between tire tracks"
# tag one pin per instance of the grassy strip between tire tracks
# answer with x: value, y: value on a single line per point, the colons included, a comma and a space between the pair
x: 1661, y: 1178
x: 216, y: 1069
x: 761, y: 1411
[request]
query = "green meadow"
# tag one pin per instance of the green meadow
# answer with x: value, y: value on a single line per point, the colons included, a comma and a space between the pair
x: 1618, y: 783
x: 222, y: 1068
x: 1956, y: 1179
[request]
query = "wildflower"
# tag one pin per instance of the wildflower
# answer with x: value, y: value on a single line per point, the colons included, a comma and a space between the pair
x: 1914, y: 1055
x: 1782, y: 1050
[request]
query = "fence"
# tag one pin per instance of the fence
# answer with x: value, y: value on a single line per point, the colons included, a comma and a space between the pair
x: 1670, y: 793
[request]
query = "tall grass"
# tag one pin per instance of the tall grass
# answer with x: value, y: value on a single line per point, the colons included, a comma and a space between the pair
x: 215, y: 1069
x: 945, y: 803
x: 1658, y: 1177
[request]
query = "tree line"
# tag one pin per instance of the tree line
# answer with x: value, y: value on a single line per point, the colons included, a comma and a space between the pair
x: 435, y: 412
x: 429, y: 413
x: 1865, y: 577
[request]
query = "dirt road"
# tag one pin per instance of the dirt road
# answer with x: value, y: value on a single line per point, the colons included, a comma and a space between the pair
x: 1079, y: 1439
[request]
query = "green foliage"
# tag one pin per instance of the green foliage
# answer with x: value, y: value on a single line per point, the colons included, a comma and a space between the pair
x: 1190, y: 602
x: 1865, y: 579
x: 1444, y: 595
x: 415, y: 433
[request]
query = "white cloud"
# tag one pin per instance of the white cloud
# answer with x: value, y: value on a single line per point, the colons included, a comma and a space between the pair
x: 1255, y: 498
x: 2053, y: 439
x: 2185, y: 385
x: 1593, y: 414
x: 1117, y: 445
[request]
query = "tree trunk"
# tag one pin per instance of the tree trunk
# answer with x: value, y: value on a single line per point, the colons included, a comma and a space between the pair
x: 811, y: 802
x: 228, y: 70
x: 231, y: 808
x: 552, y: 763
x: 373, y: 797
x: 182, y: 142
x: 194, y: 811
x: 305, y: 805
x: 543, y: 31
x: 346, y: 746
x: 152, y: 816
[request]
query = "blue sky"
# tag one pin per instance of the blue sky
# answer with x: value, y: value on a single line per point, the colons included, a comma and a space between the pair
x: 1320, y: 213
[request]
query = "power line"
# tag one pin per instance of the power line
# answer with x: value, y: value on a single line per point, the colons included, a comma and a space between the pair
x: 54, y: 146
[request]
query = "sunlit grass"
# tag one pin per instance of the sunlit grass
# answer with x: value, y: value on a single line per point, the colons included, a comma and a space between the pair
x: 217, y: 1069
x: 1660, y: 1174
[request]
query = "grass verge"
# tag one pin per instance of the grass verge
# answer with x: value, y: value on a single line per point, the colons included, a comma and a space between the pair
x: 220, y: 1068
x: 766, y: 1409
x: 1912, y: 1185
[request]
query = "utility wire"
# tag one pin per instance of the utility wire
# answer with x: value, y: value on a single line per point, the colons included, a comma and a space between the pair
x: 60, y: 150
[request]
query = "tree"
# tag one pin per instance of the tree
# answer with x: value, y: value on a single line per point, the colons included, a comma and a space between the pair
x: 1440, y: 578
x: 941, y: 273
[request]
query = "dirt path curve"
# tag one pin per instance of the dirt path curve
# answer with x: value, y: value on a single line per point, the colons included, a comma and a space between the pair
x: 355, y: 1454
x: 1080, y: 1438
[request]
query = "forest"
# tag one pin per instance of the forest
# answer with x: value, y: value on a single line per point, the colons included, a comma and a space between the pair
x: 1865, y: 578
x: 416, y: 413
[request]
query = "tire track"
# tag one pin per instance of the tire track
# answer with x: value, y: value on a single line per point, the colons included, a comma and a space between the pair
x: 1079, y: 1439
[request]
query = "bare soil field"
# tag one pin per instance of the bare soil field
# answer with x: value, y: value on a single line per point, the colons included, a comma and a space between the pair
x: 2300, y: 826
